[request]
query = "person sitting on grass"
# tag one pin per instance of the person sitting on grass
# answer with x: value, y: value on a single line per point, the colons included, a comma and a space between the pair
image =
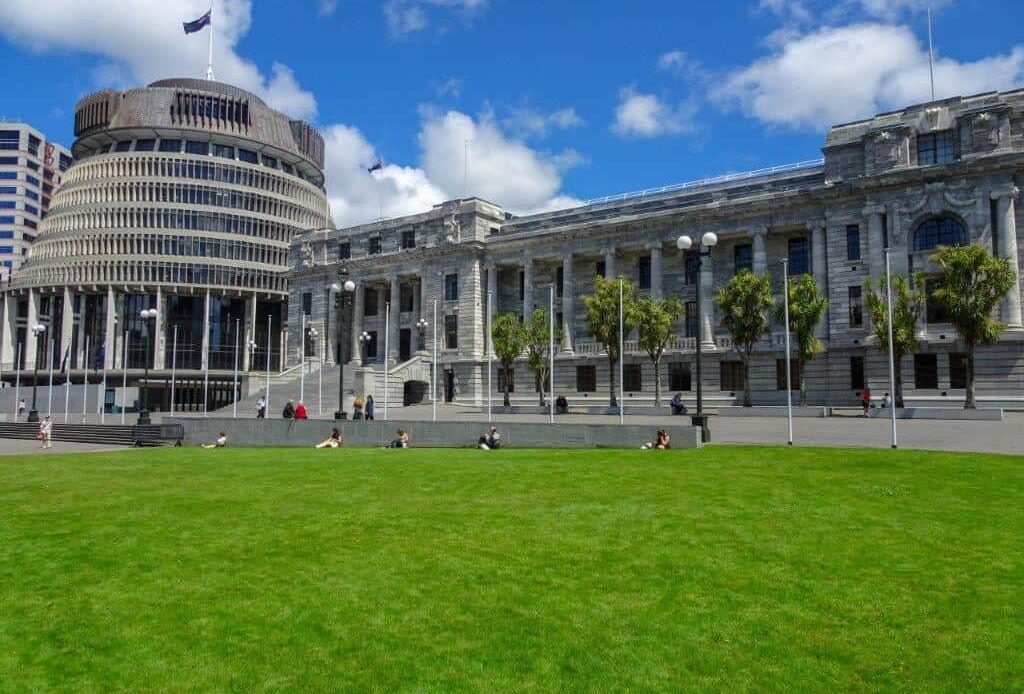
x: 662, y: 441
x: 333, y: 441
x: 401, y: 439
x: 222, y: 440
x: 490, y: 439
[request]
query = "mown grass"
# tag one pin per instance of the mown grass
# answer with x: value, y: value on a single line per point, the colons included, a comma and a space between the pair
x: 436, y: 570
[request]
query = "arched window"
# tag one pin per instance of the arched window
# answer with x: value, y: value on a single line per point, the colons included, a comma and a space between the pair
x: 939, y: 231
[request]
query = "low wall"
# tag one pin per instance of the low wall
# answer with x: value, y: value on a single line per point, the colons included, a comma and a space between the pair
x: 279, y: 432
x: 773, y: 411
x: 648, y: 410
x: 988, y: 414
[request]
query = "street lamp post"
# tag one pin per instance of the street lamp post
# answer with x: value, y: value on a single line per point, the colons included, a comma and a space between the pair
x: 146, y: 314
x: 344, y: 293
x: 684, y: 243
x: 313, y: 335
x: 38, y: 329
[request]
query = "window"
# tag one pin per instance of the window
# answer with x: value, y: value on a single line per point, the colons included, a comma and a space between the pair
x: 857, y: 373
x: 33, y: 180
x: 6, y: 234
x: 373, y: 245
x: 32, y: 210
x: 287, y: 168
x: 123, y: 146
x: 691, y: 268
x: 780, y: 374
x: 65, y: 162
x: 799, y: 258
x: 170, y: 145
x: 940, y: 231
x: 632, y: 378
x: 225, y: 151
x: 248, y: 156
x: 9, y: 175
x: 586, y: 379
x: 935, y: 310
x: 33, y: 144
x: 743, y: 257
x: 269, y: 161
x: 146, y: 145
x: 926, y: 372
x: 8, y: 190
x: 679, y: 376
x: 32, y: 195
x: 370, y: 345
x: 957, y: 370
x: 409, y: 239
x: 196, y: 147
x: 6, y: 204
x: 936, y: 148
x: 522, y: 285
x: 691, y: 318
x: 508, y: 377
x: 451, y: 332
x: 370, y: 301
x: 9, y: 160
x: 6, y: 249
x: 307, y: 303
x: 730, y: 375
x: 344, y: 250
x: 451, y: 287
x: 643, y: 272
x: 559, y: 279
x: 6, y: 219
x: 852, y: 242
x: 856, y: 307
x: 405, y: 298
x: 599, y: 268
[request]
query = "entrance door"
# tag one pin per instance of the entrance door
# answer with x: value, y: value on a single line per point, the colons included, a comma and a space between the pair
x: 449, y: 385
x: 404, y: 344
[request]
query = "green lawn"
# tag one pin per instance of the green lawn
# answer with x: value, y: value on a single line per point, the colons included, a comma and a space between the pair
x: 428, y: 570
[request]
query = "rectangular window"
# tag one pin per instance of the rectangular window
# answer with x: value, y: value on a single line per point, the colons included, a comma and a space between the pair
x: 370, y: 345
x: 643, y: 272
x: 344, y: 250
x: 730, y: 375
x: 224, y: 151
x: 957, y: 370
x: 586, y: 379
x: 405, y: 298
x: 370, y: 301
x: 679, y: 376
x: 12, y: 161
x: 935, y: 311
x: 599, y: 268
x: 6, y: 234
x: 632, y: 378
x: 145, y: 145
x: 269, y: 162
x: 170, y: 145
x: 510, y: 375
x: 8, y: 190
x: 33, y: 180
x: 936, y: 148
x: 307, y: 303
x: 248, y: 156
x: 743, y: 257
x: 32, y: 210
x: 409, y: 239
x: 522, y: 285
x: 123, y: 146
x: 559, y: 278
x: 690, y: 318
x: 690, y: 268
x: 852, y: 242
x: 451, y: 332
x: 857, y: 373
x: 6, y: 249
x: 31, y: 194
x: 799, y: 256
x: 780, y: 374
x: 373, y: 245
x: 926, y: 371
x: 9, y: 175
x: 451, y: 287
x: 856, y: 307
x: 6, y: 204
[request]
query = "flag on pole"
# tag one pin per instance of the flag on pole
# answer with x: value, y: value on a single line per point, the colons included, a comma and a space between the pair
x: 377, y: 166
x: 197, y: 24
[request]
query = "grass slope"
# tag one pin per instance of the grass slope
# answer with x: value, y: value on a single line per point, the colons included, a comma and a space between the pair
x: 430, y: 570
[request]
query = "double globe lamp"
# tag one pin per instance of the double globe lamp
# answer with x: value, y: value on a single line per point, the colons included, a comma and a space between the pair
x: 685, y: 243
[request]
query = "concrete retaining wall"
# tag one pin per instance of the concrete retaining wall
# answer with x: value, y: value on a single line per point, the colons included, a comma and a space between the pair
x: 278, y: 432
x: 988, y: 414
x: 773, y: 411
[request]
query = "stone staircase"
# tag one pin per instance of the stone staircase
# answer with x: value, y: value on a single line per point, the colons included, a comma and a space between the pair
x: 105, y: 434
x: 287, y: 384
x: 369, y: 380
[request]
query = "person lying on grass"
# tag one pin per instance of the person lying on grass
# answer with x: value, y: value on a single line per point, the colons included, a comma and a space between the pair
x: 222, y: 440
x: 333, y: 441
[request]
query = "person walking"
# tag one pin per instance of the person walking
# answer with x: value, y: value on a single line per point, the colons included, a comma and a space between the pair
x: 369, y: 407
x: 261, y: 408
x: 21, y: 407
x: 289, y: 410
x: 46, y: 433
x: 865, y: 400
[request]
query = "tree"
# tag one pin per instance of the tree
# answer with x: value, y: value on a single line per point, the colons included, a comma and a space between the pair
x: 806, y: 309
x: 536, y: 335
x: 908, y: 301
x: 745, y: 303
x: 508, y: 340
x: 655, y: 326
x: 603, y: 320
x: 970, y: 284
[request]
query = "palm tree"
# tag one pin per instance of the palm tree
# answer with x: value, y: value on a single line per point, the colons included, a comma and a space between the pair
x: 655, y: 323
x: 537, y: 338
x: 908, y: 301
x: 806, y: 309
x: 971, y: 283
x: 745, y: 303
x: 603, y: 320
x: 507, y: 337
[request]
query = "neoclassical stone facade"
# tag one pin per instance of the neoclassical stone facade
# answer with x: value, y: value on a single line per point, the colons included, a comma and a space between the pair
x: 938, y: 173
x: 184, y: 196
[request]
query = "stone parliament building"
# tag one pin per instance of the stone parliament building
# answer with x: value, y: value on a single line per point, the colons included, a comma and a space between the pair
x: 933, y: 174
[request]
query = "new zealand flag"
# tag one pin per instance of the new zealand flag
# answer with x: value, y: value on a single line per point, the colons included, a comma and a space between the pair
x: 194, y: 26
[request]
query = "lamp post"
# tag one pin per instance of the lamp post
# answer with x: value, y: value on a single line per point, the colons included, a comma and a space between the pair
x: 345, y: 294
x: 37, y: 330
x: 313, y: 335
x: 684, y: 243
x: 146, y: 314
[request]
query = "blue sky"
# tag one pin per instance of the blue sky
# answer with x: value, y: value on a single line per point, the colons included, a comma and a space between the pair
x: 561, y: 100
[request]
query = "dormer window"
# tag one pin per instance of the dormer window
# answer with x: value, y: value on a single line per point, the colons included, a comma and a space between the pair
x: 936, y: 148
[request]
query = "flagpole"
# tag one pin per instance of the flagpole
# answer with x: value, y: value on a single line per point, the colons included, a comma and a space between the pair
x: 931, y: 53
x: 124, y: 376
x: 101, y: 404
x: 551, y: 355
x: 622, y: 356
x: 17, y: 377
x: 209, y: 62
x: 67, y: 387
x: 174, y: 365
x: 49, y: 403
x: 85, y: 383
x: 387, y: 353
x: 490, y: 350
x: 433, y: 372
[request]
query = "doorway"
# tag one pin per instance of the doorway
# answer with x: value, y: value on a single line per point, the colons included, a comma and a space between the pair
x: 449, y: 385
x: 404, y: 344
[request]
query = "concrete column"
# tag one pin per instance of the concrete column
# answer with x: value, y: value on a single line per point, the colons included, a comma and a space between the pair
x: 876, y: 243
x: 249, y: 332
x: 205, y: 358
x: 568, y: 303
x: 527, y: 288
x: 417, y: 309
x: 1007, y: 220
x: 109, y: 328
x: 759, y: 252
x: 159, y: 332
x: 609, y: 263
x: 357, y: 322
x: 707, y: 302
x: 656, y: 279
x: 819, y: 265
x: 490, y: 303
x: 67, y: 325
x: 7, y: 332
x: 393, y: 326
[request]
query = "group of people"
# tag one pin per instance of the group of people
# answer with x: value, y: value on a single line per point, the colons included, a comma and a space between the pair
x: 865, y: 401
x: 293, y: 410
x: 364, y: 409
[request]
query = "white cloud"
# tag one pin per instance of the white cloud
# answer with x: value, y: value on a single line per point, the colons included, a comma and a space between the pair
x: 837, y: 74
x: 327, y: 7
x: 530, y: 122
x: 646, y: 115
x: 143, y: 41
x: 409, y: 16
x: 450, y: 87
x: 890, y: 9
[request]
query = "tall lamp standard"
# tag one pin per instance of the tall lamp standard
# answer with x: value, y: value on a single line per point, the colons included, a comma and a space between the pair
x: 38, y: 329
x: 343, y: 294
x: 146, y: 314
x: 313, y: 336
x: 684, y: 243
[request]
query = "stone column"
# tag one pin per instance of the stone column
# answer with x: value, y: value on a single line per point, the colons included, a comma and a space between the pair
x: 707, y: 302
x: 357, y: 323
x: 109, y: 328
x: 249, y: 333
x: 205, y: 357
x: 1007, y: 220
x: 490, y: 302
x: 876, y: 242
x: 568, y: 303
x: 819, y: 265
x: 67, y: 326
x: 527, y: 288
x: 759, y: 252
x: 7, y: 346
x: 392, y: 327
x: 609, y: 263
x: 417, y: 310
x: 656, y: 283
x: 160, y: 332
